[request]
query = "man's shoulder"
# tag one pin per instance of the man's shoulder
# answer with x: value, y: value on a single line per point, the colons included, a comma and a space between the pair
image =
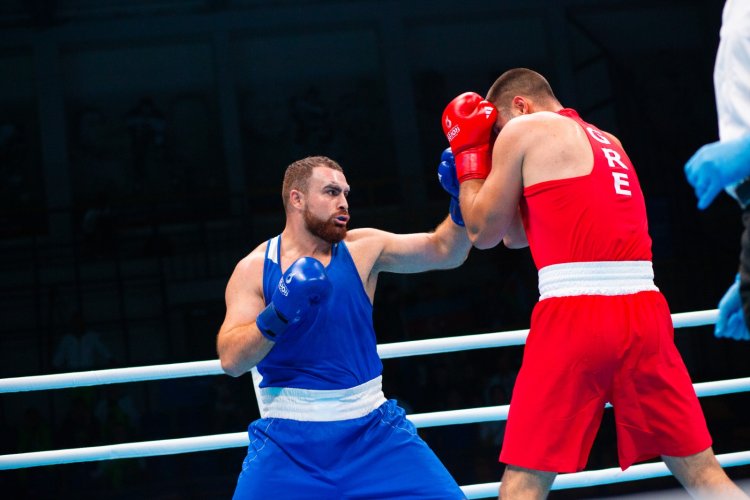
x: 364, y: 233
x: 547, y: 118
x: 257, y: 253
x: 538, y: 122
x: 253, y: 260
x: 366, y: 241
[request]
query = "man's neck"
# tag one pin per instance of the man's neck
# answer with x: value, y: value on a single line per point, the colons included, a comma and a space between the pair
x: 296, y: 243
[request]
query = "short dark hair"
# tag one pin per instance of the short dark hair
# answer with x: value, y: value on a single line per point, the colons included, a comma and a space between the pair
x: 298, y: 174
x: 519, y: 81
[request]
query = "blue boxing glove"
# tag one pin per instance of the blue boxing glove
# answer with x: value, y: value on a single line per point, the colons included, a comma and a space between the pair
x: 731, y: 322
x: 716, y: 166
x: 299, y: 294
x: 449, y: 181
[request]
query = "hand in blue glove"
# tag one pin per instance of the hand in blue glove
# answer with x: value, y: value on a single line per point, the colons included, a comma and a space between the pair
x: 449, y: 181
x: 716, y: 166
x: 300, y: 292
x: 731, y: 322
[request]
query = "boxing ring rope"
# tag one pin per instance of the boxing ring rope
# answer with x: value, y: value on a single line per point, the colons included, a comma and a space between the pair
x: 385, y: 351
x: 213, y: 367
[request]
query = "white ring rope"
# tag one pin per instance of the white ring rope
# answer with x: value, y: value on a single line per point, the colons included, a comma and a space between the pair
x: 240, y: 439
x: 213, y: 367
x: 125, y: 450
x: 606, y: 476
x: 113, y: 376
x: 400, y: 349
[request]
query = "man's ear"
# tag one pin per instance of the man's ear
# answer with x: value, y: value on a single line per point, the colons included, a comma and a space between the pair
x: 296, y: 198
x: 521, y: 105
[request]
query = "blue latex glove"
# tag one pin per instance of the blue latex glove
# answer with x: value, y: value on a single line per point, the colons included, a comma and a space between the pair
x: 731, y: 322
x: 449, y: 181
x: 716, y: 166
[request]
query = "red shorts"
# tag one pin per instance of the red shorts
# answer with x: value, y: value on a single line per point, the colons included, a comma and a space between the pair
x: 585, y: 351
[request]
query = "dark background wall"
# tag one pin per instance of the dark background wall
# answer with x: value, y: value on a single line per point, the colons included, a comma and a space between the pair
x: 142, y: 146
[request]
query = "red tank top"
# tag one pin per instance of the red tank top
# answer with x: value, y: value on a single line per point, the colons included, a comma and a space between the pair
x: 596, y: 217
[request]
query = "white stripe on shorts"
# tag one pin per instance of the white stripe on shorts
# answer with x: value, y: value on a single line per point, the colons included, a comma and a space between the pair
x: 317, y: 405
x: 596, y: 278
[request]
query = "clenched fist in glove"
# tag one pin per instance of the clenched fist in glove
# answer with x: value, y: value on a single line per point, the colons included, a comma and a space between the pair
x: 299, y: 294
x: 468, y: 121
x: 449, y: 181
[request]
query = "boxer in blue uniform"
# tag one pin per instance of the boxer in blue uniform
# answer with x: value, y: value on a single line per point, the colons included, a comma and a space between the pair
x: 299, y: 307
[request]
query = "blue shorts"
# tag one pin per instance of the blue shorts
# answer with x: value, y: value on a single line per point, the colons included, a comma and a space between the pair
x: 379, y: 455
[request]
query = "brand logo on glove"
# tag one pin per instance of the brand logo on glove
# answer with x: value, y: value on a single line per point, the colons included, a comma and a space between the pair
x: 488, y: 111
x: 452, y: 133
x: 448, y: 122
x: 282, y: 287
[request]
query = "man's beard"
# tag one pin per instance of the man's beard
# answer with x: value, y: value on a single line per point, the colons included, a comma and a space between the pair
x: 325, y: 229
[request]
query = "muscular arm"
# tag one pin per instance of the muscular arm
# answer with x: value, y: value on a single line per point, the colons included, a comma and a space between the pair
x: 490, y: 207
x: 444, y: 248
x: 240, y: 344
x: 515, y: 236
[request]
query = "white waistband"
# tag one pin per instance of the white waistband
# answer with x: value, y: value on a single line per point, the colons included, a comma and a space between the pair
x: 316, y: 405
x: 596, y: 278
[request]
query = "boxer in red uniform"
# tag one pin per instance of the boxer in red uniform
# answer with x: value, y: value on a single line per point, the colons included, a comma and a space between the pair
x: 534, y: 173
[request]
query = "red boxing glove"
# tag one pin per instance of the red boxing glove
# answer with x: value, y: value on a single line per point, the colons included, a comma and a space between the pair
x: 467, y: 123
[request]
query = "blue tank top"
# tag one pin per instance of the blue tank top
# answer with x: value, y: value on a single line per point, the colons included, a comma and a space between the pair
x: 337, y: 349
